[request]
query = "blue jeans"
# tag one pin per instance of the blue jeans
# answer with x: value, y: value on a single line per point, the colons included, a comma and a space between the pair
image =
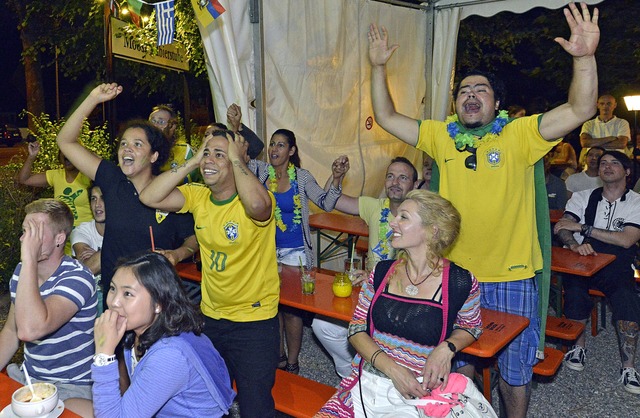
x: 250, y: 351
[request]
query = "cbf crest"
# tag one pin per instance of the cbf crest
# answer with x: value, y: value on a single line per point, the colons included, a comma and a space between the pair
x: 231, y: 231
x: 494, y: 158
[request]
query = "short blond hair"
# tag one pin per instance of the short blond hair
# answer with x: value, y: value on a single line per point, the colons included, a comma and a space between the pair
x: 58, y: 212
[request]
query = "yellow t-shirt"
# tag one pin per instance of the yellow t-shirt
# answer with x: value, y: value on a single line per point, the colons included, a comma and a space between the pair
x: 498, y: 239
x: 74, y: 194
x: 181, y: 152
x: 240, y: 279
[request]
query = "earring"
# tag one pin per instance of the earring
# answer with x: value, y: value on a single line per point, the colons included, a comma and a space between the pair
x: 157, y: 310
x: 57, y: 245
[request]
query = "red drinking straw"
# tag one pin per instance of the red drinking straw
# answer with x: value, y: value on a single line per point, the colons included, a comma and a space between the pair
x: 153, y: 245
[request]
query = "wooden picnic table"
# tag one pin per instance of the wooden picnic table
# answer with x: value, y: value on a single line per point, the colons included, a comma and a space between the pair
x: 327, y: 223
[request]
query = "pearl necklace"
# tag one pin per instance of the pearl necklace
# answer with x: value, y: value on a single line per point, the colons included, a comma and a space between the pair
x: 412, y: 289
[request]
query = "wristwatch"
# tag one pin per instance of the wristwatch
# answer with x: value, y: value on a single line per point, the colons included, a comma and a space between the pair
x: 102, y: 359
x: 451, y: 346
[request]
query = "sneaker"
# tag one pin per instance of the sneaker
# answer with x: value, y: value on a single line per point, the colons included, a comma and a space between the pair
x: 630, y: 379
x: 574, y: 359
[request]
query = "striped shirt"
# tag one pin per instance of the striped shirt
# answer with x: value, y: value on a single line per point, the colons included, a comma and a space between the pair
x: 65, y: 355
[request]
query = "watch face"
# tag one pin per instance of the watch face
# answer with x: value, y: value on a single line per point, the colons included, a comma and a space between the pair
x: 103, y: 359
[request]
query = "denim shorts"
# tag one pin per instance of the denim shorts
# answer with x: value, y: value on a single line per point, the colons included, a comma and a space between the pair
x: 517, y: 359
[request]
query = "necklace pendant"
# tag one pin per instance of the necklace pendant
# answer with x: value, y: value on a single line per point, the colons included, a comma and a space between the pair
x: 411, y: 290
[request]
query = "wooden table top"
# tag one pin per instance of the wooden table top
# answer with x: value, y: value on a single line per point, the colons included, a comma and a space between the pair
x: 555, y: 214
x: 563, y: 260
x: 189, y: 271
x: 499, y: 327
x: 322, y: 302
x: 8, y: 386
x: 339, y: 222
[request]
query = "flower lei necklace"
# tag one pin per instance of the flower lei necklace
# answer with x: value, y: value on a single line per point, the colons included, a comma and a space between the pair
x: 383, y: 230
x: 297, y: 206
x: 471, y: 138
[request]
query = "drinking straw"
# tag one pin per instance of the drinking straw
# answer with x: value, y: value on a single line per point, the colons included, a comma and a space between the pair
x: 153, y: 245
x: 353, y: 250
x: 301, y: 265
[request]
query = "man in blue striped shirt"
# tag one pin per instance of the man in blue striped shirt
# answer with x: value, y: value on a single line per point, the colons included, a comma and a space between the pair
x: 53, y: 305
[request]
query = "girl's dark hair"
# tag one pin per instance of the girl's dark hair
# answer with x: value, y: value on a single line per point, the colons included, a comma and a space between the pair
x: 291, y: 139
x: 177, y: 313
x: 156, y: 139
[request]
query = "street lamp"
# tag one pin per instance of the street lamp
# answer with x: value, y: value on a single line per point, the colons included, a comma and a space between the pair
x: 633, y: 104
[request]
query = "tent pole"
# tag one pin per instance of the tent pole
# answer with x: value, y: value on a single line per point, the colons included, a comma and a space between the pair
x: 255, y: 16
x: 428, y: 68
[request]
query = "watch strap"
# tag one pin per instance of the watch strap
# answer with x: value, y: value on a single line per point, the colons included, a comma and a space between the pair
x: 451, y: 346
x: 102, y: 359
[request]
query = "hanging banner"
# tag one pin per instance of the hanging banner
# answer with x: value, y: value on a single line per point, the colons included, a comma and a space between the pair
x: 168, y: 56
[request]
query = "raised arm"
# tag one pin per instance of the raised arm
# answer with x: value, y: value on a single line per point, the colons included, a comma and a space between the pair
x: 583, y: 92
x: 384, y: 110
x: 35, y: 317
x: 162, y: 192
x: 254, y: 196
x: 25, y: 176
x: 86, y: 161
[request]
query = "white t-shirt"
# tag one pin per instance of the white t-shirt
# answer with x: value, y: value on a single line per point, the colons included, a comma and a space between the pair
x: 87, y: 233
x: 581, y: 181
x: 613, y: 127
x: 612, y: 216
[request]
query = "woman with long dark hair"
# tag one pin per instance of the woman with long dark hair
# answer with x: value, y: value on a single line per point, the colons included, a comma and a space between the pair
x: 174, y: 370
x: 293, y: 187
x: 131, y: 226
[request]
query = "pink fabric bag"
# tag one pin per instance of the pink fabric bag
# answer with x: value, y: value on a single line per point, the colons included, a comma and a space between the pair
x: 459, y: 398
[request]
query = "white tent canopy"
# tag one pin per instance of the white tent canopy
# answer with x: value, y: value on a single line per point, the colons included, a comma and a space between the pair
x: 303, y: 65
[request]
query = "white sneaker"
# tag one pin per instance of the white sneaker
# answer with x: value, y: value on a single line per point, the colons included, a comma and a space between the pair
x: 630, y: 379
x: 574, y: 359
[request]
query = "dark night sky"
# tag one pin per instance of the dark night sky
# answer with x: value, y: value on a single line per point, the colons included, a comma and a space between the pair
x: 12, y: 96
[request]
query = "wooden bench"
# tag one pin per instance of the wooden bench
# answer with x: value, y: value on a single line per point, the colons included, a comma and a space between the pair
x: 564, y: 329
x: 550, y: 364
x: 298, y: 396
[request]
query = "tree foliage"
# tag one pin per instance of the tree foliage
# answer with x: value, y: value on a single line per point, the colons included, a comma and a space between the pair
x: 74, y: 30
x: 521, y: 48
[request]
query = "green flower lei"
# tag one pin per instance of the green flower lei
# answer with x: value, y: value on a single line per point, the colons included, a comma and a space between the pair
x: 297, y: 205
x: 471, y: 138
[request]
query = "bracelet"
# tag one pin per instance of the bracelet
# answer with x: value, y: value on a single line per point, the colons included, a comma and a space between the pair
x: 374, y: 356
x: 586, y: 230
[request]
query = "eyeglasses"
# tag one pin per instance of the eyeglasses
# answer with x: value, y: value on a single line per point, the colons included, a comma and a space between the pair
x: 160, y: 122
x: 471, y: 162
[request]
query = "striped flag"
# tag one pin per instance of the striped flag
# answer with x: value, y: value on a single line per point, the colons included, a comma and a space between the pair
x: 207, y: 10
x: 165, y: 19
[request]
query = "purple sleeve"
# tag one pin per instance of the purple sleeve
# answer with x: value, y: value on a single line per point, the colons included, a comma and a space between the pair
x: 152, y: 385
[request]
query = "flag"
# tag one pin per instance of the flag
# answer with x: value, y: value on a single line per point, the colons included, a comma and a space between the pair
x: 135, y: 18
x: 135, y: 6
x: 207, y: 10
x: 166, y: 20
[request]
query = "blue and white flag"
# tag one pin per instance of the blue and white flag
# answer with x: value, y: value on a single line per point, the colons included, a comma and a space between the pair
x: 166, y: 21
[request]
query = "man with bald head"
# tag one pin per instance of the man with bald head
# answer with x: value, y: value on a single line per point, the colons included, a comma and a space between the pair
x: 605, y: 130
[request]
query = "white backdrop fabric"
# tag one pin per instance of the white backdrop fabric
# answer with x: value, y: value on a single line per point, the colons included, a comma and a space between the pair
x: 316, y: 73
